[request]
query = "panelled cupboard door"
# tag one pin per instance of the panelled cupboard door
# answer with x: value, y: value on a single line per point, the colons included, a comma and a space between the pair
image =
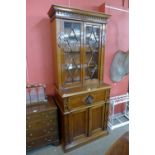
x: 96, y: 119
x: 70, y: 44
x: 78, y: 124
x: 85, y: 122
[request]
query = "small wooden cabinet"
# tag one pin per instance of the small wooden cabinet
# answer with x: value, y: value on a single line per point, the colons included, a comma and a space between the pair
x: 41, y: 125
x: 78, y: 41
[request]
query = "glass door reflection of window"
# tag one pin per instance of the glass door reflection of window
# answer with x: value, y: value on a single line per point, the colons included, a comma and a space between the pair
x: 92, y: 50
x: 70, y: 41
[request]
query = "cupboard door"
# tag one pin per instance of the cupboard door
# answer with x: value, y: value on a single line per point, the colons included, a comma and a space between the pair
x: 96, y: 119
x: 93, y: 49
x: 78, y: 124
x: 69, y: 41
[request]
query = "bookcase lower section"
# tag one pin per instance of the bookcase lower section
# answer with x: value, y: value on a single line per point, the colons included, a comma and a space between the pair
x: 83, y: 116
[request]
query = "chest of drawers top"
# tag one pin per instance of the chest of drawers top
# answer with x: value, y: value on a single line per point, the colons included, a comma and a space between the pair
x: 41, y: 107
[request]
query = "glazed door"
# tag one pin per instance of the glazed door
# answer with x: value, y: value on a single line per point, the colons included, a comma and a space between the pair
x: 70, y: 43
x: 78, y: 124
x: 96, y: 119
x: 92, y: 51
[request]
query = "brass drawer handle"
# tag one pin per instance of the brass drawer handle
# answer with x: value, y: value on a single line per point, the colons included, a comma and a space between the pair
x: 89, y: 99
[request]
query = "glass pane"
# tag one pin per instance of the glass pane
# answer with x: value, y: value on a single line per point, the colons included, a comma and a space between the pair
x: 92, y: 51
x: 70, y: 41
x: 72, y: 67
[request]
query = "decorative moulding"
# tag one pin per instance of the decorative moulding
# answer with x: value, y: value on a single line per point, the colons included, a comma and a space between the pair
x: 76, y: 14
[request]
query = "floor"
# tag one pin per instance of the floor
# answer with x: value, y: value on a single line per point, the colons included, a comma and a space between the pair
x: 97, y: 147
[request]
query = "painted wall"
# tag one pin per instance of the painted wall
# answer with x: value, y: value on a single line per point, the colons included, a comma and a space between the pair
x: 117, y: 38
x: 38, y: 39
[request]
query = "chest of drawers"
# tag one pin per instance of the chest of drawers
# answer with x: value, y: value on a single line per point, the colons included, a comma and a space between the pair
x: 41, y: 125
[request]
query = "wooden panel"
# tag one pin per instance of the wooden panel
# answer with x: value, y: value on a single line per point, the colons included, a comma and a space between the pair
x: 66, y: 130
x: 96, y: 118
x: 78, y: 124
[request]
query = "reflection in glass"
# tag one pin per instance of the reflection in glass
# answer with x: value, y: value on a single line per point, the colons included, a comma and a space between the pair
x: 92, y: 51
x: 70, y: 41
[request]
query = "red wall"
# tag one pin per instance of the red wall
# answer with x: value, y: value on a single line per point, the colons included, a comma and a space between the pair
x: 38, y: 39
x: 117, y: 38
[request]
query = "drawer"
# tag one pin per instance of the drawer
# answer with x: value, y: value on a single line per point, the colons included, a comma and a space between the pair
x: 49, y: 115
x: 33, y: 116
x: 40, y: 124
x: 86, y: 99
x: 41, y: 115
x: 34, y: 133
x: 40, y: 142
